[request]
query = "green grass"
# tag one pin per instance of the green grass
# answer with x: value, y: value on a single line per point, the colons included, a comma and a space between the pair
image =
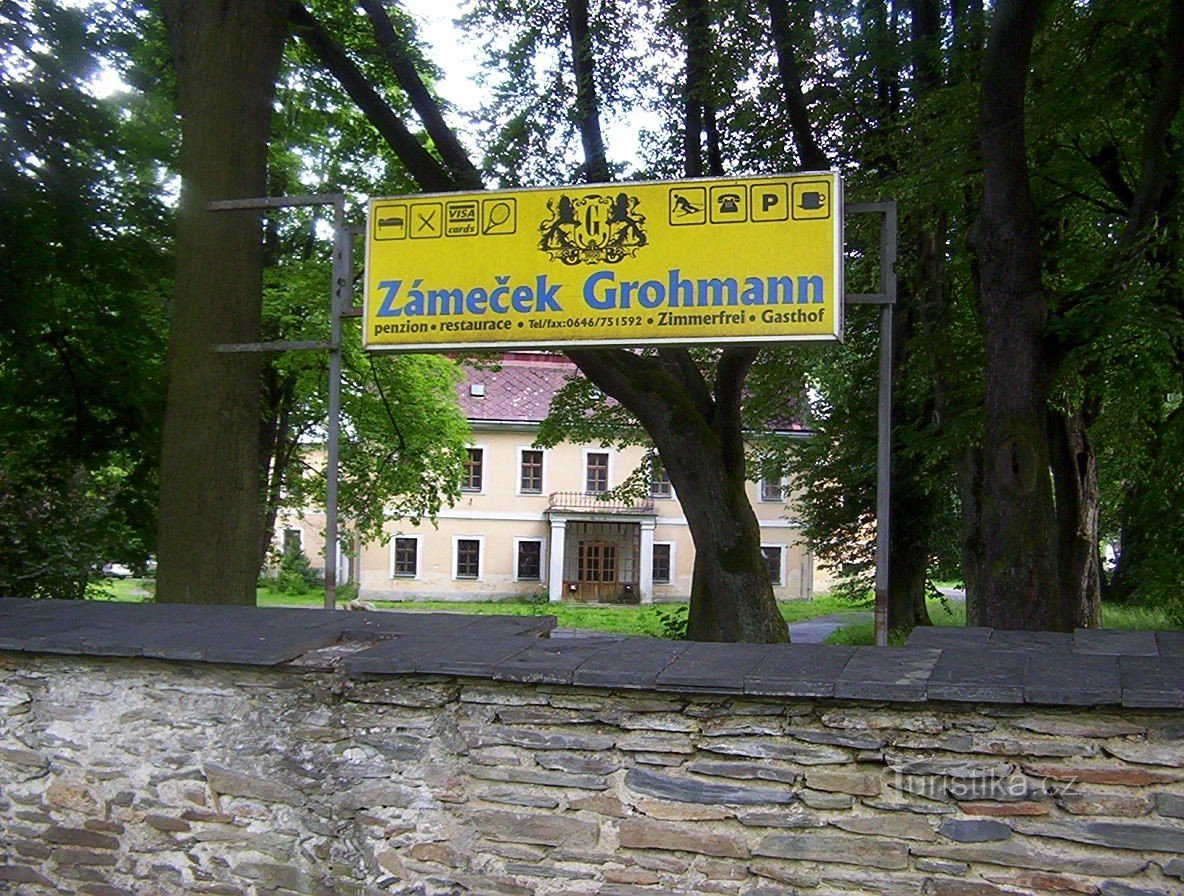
x: 948, y: 613
x: 653, y: 620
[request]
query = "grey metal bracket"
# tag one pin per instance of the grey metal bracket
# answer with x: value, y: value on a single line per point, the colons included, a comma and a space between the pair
x: 886, y: 299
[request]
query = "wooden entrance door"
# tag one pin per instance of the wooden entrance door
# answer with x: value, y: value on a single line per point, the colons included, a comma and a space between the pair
x: 597, y: 571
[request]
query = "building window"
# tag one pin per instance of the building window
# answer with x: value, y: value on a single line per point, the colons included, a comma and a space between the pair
x: 406, y: 563
x: 773, y: 489
x: 293, y: 541
x: 772, y: 555
x: 529, y: 566
x: 662, y: 562
x: 530, y: 475
x: 596, y: 472
x: 474, y: 476
x: 660, y: 486
x: 468, y: 558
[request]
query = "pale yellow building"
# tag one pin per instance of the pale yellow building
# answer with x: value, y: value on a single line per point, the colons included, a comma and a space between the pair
x: 531, y: 520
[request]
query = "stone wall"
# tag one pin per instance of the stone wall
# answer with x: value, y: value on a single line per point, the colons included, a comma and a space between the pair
x: 137, y: 776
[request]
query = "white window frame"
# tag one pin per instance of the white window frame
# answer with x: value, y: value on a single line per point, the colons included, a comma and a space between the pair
x: 284, y: 537
x: 782, y: 483
x: 522, y: 449
x: 584, y: 470
x: 484, y: 449
x: 779, y: 582
x: 673, y: 564
x: 456, y: 540
x: 542, y: 543
x: 669, y: 495
x: 395, y: 574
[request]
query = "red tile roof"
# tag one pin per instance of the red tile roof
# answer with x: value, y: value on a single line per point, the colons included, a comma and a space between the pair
x: 519, y: 391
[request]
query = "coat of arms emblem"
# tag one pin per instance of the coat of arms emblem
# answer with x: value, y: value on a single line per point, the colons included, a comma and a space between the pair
x: 592, y: 229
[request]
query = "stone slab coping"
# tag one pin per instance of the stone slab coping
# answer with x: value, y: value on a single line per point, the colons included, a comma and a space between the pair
x: 974, y: 665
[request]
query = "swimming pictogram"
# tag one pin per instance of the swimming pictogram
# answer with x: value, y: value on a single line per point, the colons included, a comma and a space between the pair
x: 595, y: 228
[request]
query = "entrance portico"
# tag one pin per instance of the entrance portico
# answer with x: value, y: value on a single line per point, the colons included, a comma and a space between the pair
x: 601, y: 551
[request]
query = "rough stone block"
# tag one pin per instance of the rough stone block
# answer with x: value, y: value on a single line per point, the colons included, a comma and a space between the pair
x: 816, y: 799
x: 1097, y: 774
x: 974, y: 830
x: 689, y: 790
x: 1113, y: 834
x: 547, y: 829
x: 742, y: 771
x: 234, y: 783
x: 897, y: 827
x: 1123, y: 805
x: 764, y: 748
x: 639, y: 834
x: 831, y: 848
x: 1115, y: 888
x: 843, y: 782
x: 79, y: 837
x: 942, y: 887
x: 1170, y: 754
x: 1170, y: 804
x: 1015, y: 854
x: 1030, y: 881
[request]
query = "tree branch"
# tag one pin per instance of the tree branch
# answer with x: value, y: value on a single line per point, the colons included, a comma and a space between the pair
x: 1164, y: 107
x: 810, y: 154
x: 730, y: 374
x: 454, y: 155
x: 587, y: 108
x: 422, y: 165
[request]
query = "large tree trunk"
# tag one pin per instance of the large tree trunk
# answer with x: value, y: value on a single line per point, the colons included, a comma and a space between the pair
x: 227, y: 58
x: 1020, y: 583
x: 698, y: 435
x: 1078, y: 504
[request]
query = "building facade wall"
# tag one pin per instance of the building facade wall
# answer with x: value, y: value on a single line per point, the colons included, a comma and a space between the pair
x: 499, y: 516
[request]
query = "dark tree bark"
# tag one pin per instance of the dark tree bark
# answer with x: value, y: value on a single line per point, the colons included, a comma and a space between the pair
x: 421, y: 164
x: 455, y: 158
x: 695, y: 426
x: 699, y: 119
x: 1147, y: 202
x: 810, y: 154
x: 587, y: 109
x: 1020, y: 582
x: 696, y: 429
x: 227, y: 58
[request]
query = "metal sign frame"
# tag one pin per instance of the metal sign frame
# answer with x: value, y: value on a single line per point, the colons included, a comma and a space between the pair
x: 886, y: 299
x: 342, y: 307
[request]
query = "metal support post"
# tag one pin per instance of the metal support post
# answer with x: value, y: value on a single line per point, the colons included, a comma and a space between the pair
x: 339, y: 300
x: 340, y: 306
x: 886, y: 298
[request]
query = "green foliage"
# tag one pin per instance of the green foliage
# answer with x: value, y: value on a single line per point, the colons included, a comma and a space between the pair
x: 83, y: 319
x: 293, y: 573
x: 673, y: 621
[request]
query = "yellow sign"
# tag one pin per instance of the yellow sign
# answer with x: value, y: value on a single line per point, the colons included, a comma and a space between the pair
x: 699, y: 262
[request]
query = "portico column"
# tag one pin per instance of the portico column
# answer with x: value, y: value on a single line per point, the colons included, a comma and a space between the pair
x: 555, y: 569
x: 646, y: 573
